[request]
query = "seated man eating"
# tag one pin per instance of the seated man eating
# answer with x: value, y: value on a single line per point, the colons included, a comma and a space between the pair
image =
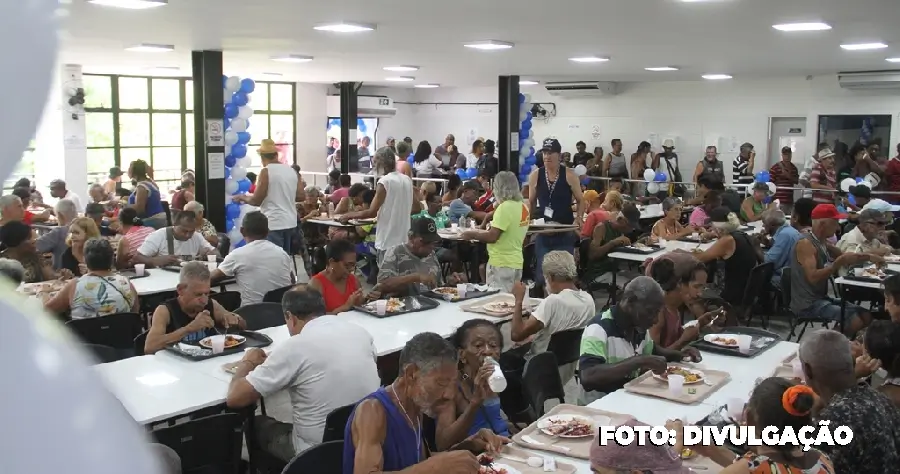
x: 171, y: 245
x: 192, y: 315
x: 407, y: 267
x: 616, y: 345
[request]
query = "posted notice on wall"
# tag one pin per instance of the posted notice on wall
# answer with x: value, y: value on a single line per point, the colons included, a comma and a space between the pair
x: 215, y: 165
x: 514, y: 141
x: 215, y: 132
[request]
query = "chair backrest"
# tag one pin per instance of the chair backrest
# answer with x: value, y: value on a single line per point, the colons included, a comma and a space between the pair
x: 168, y: 210
x: 566, y: 345
x: 756, y: 283
x: 275, y: 296
x: 261, y: 315
x: 224, y: 244
x: 230, y: 300
x: 209, y: 444
x: 326, y: 458
x: 139, y: 343
x: 541, y: 382
x: 114, y: 330
x: 104, y: 354
x: 335, y: 423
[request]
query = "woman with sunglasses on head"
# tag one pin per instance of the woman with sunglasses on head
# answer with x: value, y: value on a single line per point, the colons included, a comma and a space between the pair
x: 669, y: 227
x: 337, y: 283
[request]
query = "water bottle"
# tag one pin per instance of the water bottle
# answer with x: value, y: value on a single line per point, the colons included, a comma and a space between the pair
x: 497, y: 381
x: 330, y: 209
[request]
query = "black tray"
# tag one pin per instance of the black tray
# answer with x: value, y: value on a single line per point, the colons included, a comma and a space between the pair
x: 425, y: 302
x: 254, y: 339
x: 696, y: 241
x: 171, y: 268
x: 131, y: 274
x: 470, y: 295
x: 746, y: 228
x: 755, y: 347
x: 647, y: 251
x: 853, y: 277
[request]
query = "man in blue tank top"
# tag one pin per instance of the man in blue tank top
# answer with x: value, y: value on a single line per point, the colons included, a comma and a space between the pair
x: 384, y: 432
x: 554, y: 188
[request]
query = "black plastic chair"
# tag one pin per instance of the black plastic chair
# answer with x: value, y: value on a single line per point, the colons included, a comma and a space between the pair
x: 261, y: 315
x: 326, y: 458
x: 168, y: 210
x: 114, y: 330
x: 209, y: 444
x: 230, y: 300
x: 795, y: 319
x: 139, y: 343
x: 566, y: 345
x: 275, y: 296
x: 224, y: 244
x: 104, y: 354
x: 759, y: 279
x: 541, y: 382
x: 335, y: 423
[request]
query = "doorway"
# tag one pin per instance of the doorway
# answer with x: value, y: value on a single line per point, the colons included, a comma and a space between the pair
x: 788, y: 131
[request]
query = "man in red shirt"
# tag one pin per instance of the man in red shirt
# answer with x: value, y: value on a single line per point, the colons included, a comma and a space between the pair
x: 486, y: 202
x: 28, y: 217
x: 892, y: 175
x: 785, y: 175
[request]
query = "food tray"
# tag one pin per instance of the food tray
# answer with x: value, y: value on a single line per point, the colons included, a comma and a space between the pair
x: 562, y: 467
x: 254, y: 339
x: 762, y: 341
x: 888, y: 272
x: 131, y: 274
x: 650, y: 249
x: 533, y: 438
x: 470, y: 295
x: 425, y: 304
x: 478, y: 306
x: 697, y: 240
x: 646, y: 384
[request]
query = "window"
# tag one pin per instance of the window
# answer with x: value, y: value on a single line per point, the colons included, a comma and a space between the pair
x: 841, y: 132
x: 151, y: 118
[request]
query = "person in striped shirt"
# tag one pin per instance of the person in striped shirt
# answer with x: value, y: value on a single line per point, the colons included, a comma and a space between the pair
x: 742, y: 167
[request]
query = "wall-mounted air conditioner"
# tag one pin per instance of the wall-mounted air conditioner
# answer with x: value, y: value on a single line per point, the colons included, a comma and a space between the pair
x: 863, y: 81
x: 366, y: 106
x: 581, y: 89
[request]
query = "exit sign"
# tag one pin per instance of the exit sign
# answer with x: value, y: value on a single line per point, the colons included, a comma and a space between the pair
x: 384, y: 101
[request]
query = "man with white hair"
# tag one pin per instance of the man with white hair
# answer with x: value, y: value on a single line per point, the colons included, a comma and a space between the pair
x: 12, y: 269
x: 55, y: 240
x: 11, y: 209
x: 206, y: 229
x: 828, y: 367
x: 616, y: 346
x: 780, y: 237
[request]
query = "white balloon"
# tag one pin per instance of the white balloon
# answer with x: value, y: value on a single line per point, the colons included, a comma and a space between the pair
x: 233, y: 84
x: 865, y: 183
x: 245, y: 112
x: 529, y: 143
x: 527, y: 108
x: 244, y: 162
x: 230, y: 138
x: 231, y: 187
x: 523, y: 153
x: 530, y: 133
x: 772, y: 187
x: 246, y: 208
x: 580, y: 170
x: 846, y: 183
x: 239, y: 124
x: 653, y: 188
x: 528, y: 99
x: 226, y: 96
x: 227, y: 149
x: 649, y: 175
x: 239, y: 220
x: 522, y: 114
x: 238, y: 173
x: 235, y: 236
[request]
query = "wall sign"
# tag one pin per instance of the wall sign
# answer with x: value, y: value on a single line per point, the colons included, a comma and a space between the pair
x: 215, y: 165
x: 215, y: 133
x: 795, y: 130
x: 514, y: 141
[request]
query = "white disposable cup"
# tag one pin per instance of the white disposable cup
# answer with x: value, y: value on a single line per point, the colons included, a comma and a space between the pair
x: 138, y: 269
x: 454, y: 226
x: 381, y: 307
x: 212, y: 265
x: 695, y: 235
x: 797, y: 368
x: 461, y: 289
x: 210, y: 258
x: 218, y: 344
x: 663, y: 242
x: 744, y: 343
x: 858, y: 271
x: 736, y: 409
x: 676, y: 384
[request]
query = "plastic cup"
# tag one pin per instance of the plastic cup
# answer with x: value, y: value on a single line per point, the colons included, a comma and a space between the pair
x: 744, y: 343
x: 218, y: 344
x: 139, y: 269
x: 797, y: 368
x: 212, y: 265
x: 695, y: 236
x: 381, y: 307
x: 676, y: 384
x: 736, y: 409
x: 461, y: 289
x: 211, y: 258
x: 454, y: 227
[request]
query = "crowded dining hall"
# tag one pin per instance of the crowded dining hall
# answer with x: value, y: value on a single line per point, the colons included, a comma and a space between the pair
x: 519, y: 274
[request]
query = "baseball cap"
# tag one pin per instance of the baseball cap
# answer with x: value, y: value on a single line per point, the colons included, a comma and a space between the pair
x: 552, y: 145
x: 879, y: 205
x: 473, y: 185
x: 824, y: 153
x: 631, y: 457
x: 871, y: 215
x: 631, y: 213
x: 669, y: 143
x: 591, y: 195
x: 787, y: 150
x: 861, y: 191
x: 115, y: 172
x: 826, y: 211
x: 425, y: 228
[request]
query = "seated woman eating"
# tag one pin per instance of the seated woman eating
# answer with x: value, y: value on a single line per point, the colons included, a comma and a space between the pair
x: 475, y: 405
x: 669, y: 227
x: 754, y: 205
x: 337, y: 283
x: 882, y: 342
x: 17, y: 239
x: 81, y: 229
x: 682, y: 278
x: 100, y: 291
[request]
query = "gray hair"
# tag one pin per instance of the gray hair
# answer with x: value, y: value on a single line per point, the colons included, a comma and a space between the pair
x: 385, y: 160
x: 643, y: 289
x: 559, y: 266
x: 506, y: 187
x: 828, y: 353
x: 303, y: 302
x: 403, y: 148
x: 8, y: 200
x: 12, y: 269
x: 312, y: 190
x: 193, y: 271
x: 773, y: 218
x: 194, y: 206
x: 95, y: 186
x: 670, y: 202
x: 66, y: 208
x: 98, y: 254
x: 427, y: 351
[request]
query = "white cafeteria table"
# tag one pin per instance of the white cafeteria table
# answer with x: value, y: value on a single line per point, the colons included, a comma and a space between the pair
x: 162, y: 281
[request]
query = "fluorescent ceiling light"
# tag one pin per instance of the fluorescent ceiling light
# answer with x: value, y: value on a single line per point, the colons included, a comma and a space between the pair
x: 863, y: 46
x: 292, y: 58
x: 716, y: 77
x: 272, y: 74
x: 401, y: 68
x: 427, y: 86
x: 343, y: 27
x: 815, y: 26
x: 151, y: 48
x: 589, y: 59
x: 489, y: 45
x: 893, y: 60
x: 528, y: 83
x: 400, y: 79
x: 661, y: 69
x: 130, y: 4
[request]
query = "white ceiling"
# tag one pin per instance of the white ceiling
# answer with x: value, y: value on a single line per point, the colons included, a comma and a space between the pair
x: 716, y: 36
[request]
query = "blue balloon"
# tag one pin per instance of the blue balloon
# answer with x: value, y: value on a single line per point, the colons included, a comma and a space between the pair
x: 531, y: 151
x: 526, y: 126
x: 521, y: 98
x: 361, y: 125
x: 852, y: 199
x: 660, y: 177
x: 226, y: 122
x: 523, y: 178
x: 767, y: 200
x: 227, y: 172
x: 334, y: 123
x: 240, y: 244
x: 528, y: 116
x: 243, y: 186
x: 231, y: 111
x: 859, y: 180
x: 238, y: 151
x: 530, y: 160
x: 247, y: 86
x: 472, y: 173
x: 229, y: 224
x: 224, y: 80
x: 461, y: 173
x: 232, y: 210
x: 243, y: 138
x: 240, y: 99
x: 585, y: 181
x: 411, y: 160
x: 230, y: 161
x: 763, y: 177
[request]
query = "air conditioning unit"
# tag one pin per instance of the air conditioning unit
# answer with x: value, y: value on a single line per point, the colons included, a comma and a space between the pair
x: 581, y: 89
x: 366, y: 106
x: 863, y: 81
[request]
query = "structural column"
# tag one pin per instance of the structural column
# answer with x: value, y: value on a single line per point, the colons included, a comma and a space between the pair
x: 209, y: 135
x: 61, y: 138
x: 508, y: 128
x: 348, y: 127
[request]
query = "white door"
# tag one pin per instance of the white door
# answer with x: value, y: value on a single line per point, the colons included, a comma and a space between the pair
x: 788, y: 131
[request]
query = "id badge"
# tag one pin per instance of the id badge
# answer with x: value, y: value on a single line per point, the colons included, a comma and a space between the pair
x: 548, y: 213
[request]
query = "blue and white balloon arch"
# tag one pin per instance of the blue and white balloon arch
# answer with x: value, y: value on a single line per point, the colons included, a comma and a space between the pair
x: 237, y: 121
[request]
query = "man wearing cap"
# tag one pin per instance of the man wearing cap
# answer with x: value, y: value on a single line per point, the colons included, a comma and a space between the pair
x: 277, y: 188
x: 862, y: 194
x: 406, y: 268
x: 59, y: 191
x: 813, y: 262
x: 671, y: 158
x: 462, y: 206
x: 785, y: 175
x: 742, y: 167
x: 115, y: 177
x: 864, y: 238
x: 823, y: 177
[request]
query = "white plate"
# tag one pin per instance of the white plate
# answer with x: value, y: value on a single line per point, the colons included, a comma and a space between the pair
x: 711, y: 338
x: 545, y: 423
x: 693, y: 371
x: 509, y: 469
x: 494, y: 307
x: 207, y: 342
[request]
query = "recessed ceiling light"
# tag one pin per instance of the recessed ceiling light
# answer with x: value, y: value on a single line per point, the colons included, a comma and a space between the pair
x: 292, y: 58
x: 815, y: 26
x: 661, y: 69
x: 589, y: 59
x: 427, y: 86
x: 151, y: 48
x: 528, y: 83
x: 489, y: 45
x: 400, y: 79
x: 893, y: 60
x: 130, y: 4
x: 401, y: 68
x: 863, y: 46
x: 716, y: 77
x: 343, y: 27
x: 272, y: 74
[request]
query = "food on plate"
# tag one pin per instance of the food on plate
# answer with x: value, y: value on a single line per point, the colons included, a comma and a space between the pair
x: 874, y: 272
x: 447, y: 291
x: 725, y: 341
x: 500, y: 307
x: 568, y: 427
x: 687, y: 453
x: 638, y: 245
x: 393, y: 305
x: 231, y: 341
x: 689, y: 375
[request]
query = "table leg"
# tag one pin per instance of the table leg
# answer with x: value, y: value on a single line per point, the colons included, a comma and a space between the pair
x: 843, y: 294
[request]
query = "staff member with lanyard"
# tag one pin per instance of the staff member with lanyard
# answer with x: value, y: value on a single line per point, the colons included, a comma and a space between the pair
x: 554, y: 189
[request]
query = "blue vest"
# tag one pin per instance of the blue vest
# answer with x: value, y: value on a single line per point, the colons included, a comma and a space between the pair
x: 560, y: 200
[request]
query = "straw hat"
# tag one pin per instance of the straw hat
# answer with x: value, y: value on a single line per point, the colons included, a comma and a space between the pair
x: 267, y: 146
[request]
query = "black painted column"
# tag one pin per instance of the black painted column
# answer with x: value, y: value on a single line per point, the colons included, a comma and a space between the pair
x: 209, y: 135
x: 508, y: 128
x: 349, y: 159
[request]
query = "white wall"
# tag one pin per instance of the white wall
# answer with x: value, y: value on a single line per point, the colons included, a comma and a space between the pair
x: 695, y: 114
x: 310, y: 122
